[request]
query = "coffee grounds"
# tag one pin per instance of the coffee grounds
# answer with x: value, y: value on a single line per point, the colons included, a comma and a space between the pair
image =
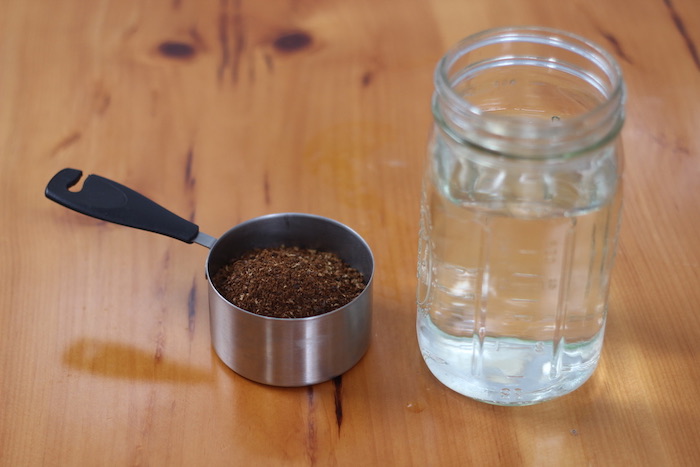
x: 288, y: 282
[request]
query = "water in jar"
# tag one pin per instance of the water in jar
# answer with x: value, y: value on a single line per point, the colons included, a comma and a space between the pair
x: 513, y: 271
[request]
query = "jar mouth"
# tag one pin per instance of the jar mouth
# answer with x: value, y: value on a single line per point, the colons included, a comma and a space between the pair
x: 529, y: 92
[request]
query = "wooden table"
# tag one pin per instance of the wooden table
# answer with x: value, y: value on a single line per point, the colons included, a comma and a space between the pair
x: 226, y: 110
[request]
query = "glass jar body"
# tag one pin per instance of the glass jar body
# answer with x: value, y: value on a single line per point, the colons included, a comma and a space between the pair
x: 516, y: 247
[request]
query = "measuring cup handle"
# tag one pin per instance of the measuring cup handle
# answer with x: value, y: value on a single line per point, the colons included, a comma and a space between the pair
x: 109, y: 201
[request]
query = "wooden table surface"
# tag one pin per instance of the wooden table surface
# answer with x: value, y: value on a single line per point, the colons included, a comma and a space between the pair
x: 224, y: 110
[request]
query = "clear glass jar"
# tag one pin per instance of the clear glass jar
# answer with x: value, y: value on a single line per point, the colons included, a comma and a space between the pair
x: 520, y: 213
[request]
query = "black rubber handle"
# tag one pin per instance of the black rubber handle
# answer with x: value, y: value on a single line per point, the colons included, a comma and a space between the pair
x: 109, y: 201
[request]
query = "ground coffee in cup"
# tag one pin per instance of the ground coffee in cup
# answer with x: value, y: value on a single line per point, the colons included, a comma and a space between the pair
x: 288, y: 282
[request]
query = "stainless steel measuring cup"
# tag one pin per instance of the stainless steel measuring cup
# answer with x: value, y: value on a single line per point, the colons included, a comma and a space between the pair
x: 274, y: 351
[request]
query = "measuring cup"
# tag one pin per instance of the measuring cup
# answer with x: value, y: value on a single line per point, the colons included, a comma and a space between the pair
x: 274, y: 351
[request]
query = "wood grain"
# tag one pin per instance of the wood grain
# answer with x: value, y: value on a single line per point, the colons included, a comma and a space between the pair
x: 226, y: 110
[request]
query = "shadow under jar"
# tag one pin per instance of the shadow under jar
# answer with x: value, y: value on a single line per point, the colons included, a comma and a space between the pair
x: 519, y: 215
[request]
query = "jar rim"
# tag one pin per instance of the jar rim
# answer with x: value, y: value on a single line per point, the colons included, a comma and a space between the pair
x: 609, y: 111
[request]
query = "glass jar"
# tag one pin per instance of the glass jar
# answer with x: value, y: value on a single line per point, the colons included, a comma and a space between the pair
x: 520, y: 213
